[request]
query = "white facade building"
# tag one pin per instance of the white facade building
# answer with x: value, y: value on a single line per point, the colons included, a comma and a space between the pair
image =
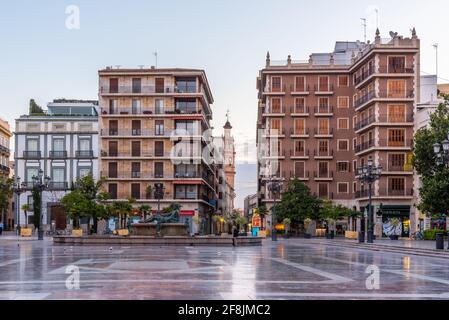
x: 63, y: 142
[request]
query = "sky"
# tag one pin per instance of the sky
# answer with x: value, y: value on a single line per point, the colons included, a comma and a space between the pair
x: 41, y: 58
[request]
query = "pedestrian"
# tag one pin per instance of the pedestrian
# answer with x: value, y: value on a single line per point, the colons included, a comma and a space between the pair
x: 1, y: 228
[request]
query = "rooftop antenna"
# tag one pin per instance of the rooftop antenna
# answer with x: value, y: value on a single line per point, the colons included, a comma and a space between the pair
x: 377, y: 18
x: 155, y: 57
x: 364, y: 27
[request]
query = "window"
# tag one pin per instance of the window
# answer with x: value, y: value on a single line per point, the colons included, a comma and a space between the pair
x: 300, y: 126
x: 396, y: 162
x: 323, y: 126
x: 354, y: 166
x: 397, y: 186
x: 396, y: 138
x: 159, y: 106
x: 300, y: 105
x: 323, y: 105
x: 323, y: 148
x: 58, y: 144
x: 113, y: 85
x: 275, y: 105
x: 300, y: 148
x: 112, y: 167
x: 160, y: 85
x: 323, y: 190
x: 137, y: 85
x: 343, y: 123
x: 84, y: 172
x: 187, y: 127
x: 396, y: 113
x: 276, y: 84
x: 186, y: 106
x: 343, y: 187
x: 342, y: 166
x: 32, y: 144
x: 343, y: 102
x: 343, y: 145
x: 354, y: 187
x: 158, y: 170
x: 113, y: 127
x: 136, y: 109
x: 396, y: 88
x: 159, y: 148
x: 354, y: 143
x: 186, y: 192
x: 343, y: 81
x: 300, y: 84
x: 396, y: 64
x: 186, y: 85
x: 136, y: 131
x: 186, y: 171
x: 135, y: 191
x: 323, y: 84
x: 84, y: 144
x: 276, y: 125
x: 159, y: 127
x: 135, y: 149
x: 112, y: 190
x: 113, y: 148
x: 30, y: 173
x: 113, y: 106
x: 57, y: 174
x: 300, y: 169
x: 323, y: 169
x: 135, y: 169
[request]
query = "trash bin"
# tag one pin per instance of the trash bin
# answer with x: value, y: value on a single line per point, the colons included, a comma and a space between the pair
x: 440, y: 241
x: 361, y: 237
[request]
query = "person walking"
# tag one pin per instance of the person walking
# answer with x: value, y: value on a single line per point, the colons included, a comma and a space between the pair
x: 1, y: 228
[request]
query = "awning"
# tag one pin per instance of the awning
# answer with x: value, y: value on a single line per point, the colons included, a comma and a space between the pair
x: 187, y: 212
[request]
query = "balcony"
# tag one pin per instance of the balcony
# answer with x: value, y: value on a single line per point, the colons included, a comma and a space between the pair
x: 402, y: 168
x: 365, y: 122
x: 323, y: 176
x: 115, y: 133
x: 396, y: 70
x: 277, y: 154
x: 324, y: 89
x: 325, y: 111
x: 363, y: 76
x: 138, y: 90
x: 299, y: 133
x: 4, y: 150
x: 323, y: 155
x: 299, y: 111
x: 273, y: 111
x: 305, y: 90
x: 275, y: 133
x: 364, y: 99
x: 299, y: 155
x: 134, y: 175
x: 59, y: 186
x: 271, y: 90
x: 405, y: 143
x: 84, y: 154
x: 364, y: 146
x: 325, y: 133
x: 384, y: 193
x: 402, y: 96
x: 301, y: 176
x: 31, y: 154
x: 131, y: 155
x: 186, y: 175
x: 57, y: 154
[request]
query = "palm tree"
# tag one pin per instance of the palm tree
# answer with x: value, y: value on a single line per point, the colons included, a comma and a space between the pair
x: 26, y: 208
x: 144, y: 211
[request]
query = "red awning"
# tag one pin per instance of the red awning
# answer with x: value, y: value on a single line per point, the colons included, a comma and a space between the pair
x: 187, y: 212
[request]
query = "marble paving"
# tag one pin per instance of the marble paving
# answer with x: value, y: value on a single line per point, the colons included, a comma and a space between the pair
x: 287, y: 269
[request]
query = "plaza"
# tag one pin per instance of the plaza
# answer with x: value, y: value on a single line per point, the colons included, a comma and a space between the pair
x: 293, y: 269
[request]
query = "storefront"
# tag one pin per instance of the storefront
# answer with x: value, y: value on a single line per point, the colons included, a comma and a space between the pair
x: 392, y: 214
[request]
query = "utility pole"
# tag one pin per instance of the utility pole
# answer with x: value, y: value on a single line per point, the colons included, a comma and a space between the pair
x: 435, y: 45
x: 155, y: 57
x: 364, y: 28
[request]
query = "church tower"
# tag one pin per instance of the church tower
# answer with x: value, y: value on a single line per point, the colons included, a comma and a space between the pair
x: 229, y: 153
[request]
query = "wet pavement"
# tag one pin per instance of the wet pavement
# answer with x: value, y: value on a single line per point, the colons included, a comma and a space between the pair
x: 287, y: 269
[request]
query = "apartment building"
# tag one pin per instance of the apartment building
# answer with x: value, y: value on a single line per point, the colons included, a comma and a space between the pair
x: 321, y: 118
x: 156, y: 129
x: 63, y: 143
x: 5, y: 169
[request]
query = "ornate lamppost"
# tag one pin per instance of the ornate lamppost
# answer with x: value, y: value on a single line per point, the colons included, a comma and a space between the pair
x: 18, y: 189
x: 369, y: 174
x: 40, y: 183
x: 442, y: 152
x: 275, y: 187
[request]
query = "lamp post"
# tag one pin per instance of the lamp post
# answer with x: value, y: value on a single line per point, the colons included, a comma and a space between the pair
x: 159, y: 191
x: 18, y: 189
x: 275, y: 188
x: 441, y: 151
x: 369, y: 173
x: 41, y: 184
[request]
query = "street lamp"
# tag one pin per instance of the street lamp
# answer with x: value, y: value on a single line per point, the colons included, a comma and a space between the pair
x: 441, y: 151
x: 275, y: 188
x: 40, y: 183
x: 18, y: 189
x: 369, y: 173
x: 159, y: 191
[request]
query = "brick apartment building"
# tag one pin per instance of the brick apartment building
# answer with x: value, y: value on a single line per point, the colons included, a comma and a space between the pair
x: 155, y: 125
x: 320, y: 119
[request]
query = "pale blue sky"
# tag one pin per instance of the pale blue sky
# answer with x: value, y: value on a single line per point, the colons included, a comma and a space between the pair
x: 41, y: 59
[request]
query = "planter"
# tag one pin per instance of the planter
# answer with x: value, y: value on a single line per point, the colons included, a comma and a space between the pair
x: 77, y: 233
x: 123, y: 232
x: 307, y: 236
x: 394, y: 237
x: 26, y: 232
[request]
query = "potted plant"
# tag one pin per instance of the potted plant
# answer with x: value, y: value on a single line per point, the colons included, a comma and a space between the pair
x: 307, y: 224
x: 330, y: 223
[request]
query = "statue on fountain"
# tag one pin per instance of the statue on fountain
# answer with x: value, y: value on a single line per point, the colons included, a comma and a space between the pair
x: 172, y: 217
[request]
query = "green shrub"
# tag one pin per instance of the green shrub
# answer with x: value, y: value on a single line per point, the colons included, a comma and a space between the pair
x: 431, y: 234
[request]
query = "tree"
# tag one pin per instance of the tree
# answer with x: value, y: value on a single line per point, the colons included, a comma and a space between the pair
x: 144, y: 211
x: 330, y: 213
x: 434, y: 177
x: 5, y: 196
x: 76, y: 206
x: 298, y: 203
x: 240, y: 221
x: 122, y: 210
x: 35, y: 109
x: 37, y: 200
x: 26, y: 208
